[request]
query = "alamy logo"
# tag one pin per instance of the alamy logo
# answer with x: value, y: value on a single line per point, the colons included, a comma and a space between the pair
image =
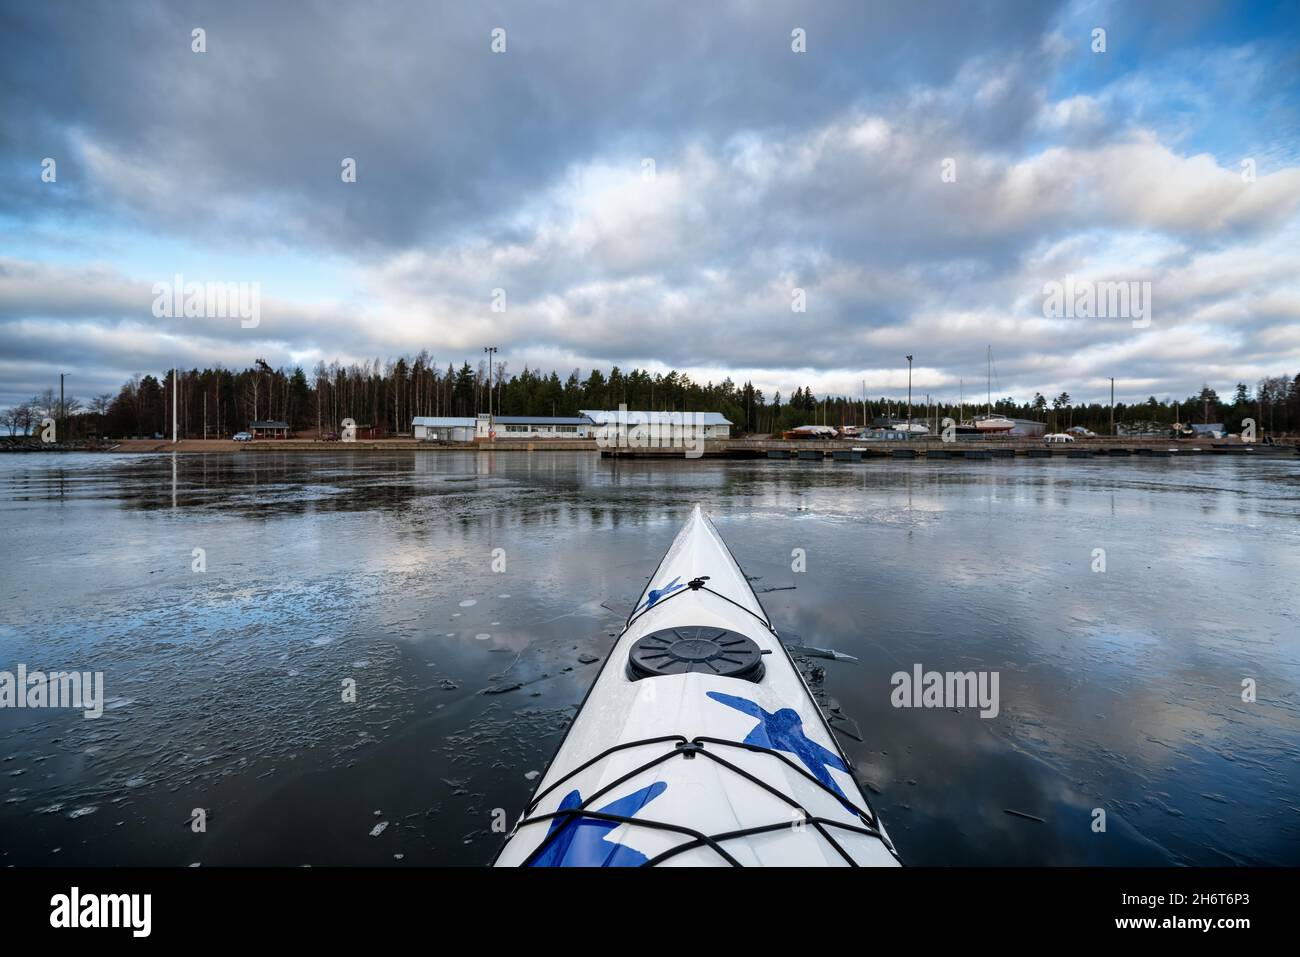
x: 1085, y: 299
x: 75, y: 909
x: 58, y: 689
x: 212, y: 300
x: 946, y: 689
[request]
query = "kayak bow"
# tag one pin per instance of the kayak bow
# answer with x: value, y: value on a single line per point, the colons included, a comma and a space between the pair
x: 699, y: 742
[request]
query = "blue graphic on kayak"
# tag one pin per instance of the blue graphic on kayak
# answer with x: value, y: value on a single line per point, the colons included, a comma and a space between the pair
x: 783, y: 731
x: 657, y: 593
x: 583, y: 841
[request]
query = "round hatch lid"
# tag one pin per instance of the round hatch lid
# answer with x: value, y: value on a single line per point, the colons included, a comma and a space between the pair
x: 696, y: 648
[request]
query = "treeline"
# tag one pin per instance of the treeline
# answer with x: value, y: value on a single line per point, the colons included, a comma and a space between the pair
x: 384, y: 396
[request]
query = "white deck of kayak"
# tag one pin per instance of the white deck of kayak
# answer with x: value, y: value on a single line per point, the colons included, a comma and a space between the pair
x: 699, y: 769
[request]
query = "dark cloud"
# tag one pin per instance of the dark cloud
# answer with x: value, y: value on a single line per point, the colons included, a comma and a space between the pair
x: 446, y: 134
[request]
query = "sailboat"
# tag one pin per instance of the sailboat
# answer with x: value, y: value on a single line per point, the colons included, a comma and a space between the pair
x: 992, y: 423
x: 964, y: 425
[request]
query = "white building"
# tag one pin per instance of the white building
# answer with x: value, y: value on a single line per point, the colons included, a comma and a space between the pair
x: 614, y: 428
x: 482, y: 426
x: 542, y: 426
x: 657, y: 427
x: 1027, y: 427
x: 441, y: 428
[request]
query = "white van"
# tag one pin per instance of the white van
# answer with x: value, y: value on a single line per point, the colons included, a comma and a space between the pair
x: 1057, y: 438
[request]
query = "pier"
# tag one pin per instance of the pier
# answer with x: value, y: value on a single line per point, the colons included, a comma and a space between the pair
x: 838, y: 451
x: 932, y: 449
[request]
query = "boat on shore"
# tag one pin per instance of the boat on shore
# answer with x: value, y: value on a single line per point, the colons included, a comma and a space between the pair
x: 894, y: 425
x: 993, y: 424
x: 698, y: 743
x: 810, y: 432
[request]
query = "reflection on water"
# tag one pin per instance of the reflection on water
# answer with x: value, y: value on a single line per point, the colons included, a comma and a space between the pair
x: 226, y: 688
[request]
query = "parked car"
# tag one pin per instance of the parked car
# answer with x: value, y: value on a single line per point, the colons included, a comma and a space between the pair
x: 1057, y: 438
x: 243, y: 437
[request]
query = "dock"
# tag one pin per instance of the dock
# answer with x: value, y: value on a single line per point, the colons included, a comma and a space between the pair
x: 806, y: 451
x: 932, y: 449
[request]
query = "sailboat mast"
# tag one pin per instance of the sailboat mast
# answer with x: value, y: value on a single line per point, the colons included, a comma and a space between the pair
x: 990, y: 382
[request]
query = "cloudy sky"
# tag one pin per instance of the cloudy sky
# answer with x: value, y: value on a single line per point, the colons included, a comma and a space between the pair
x: 650, y: 182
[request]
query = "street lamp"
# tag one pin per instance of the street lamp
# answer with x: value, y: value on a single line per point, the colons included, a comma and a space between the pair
x: 909, y: 397
x: 1112, y: 405
x: 62, y: 407
x: 490, y: 350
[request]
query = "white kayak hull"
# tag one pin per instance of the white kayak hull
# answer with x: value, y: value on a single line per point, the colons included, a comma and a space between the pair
x: 670, y: 762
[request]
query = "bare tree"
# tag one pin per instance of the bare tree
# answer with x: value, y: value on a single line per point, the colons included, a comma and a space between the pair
x: 45, y: 404
x: 99, y: 406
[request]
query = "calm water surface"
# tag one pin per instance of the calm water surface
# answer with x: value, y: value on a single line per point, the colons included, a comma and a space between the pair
x: 1119, y: 690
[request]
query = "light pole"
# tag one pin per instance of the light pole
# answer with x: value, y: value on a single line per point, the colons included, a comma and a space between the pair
x: 909, y: 397
x: 1112, y: 405
x: 490, y: 350
x: 62, y: 406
